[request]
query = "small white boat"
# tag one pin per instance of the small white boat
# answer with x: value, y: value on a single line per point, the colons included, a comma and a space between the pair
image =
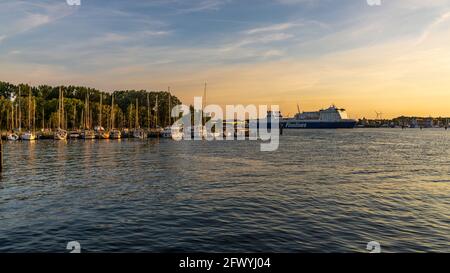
x: 102, y: 135
x: 74, y: 134
x: 139, y: 133
x: 60, y: 134
x: 28, y: 136
x: 173, y: 132
x: 167, y: 132
x: 115, y: 134
x: 88, y: 134
x: 12, y: 136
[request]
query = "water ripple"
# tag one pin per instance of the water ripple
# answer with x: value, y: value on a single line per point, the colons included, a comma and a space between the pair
x: 322, y: 191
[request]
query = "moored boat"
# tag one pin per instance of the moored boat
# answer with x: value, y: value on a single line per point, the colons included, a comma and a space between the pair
x: 167, y: 132
x: 330, y: 118
x: 88, y: 134
x: 100, y: 132
x: 74, y: 134
x: 173, y: 132
x: 115, y: 134
x: 12, y: 136
x: 103, y: 135
x: 31, y: 133
x: 28, y: 136
x: 139, y: 133
x: 60, y: 134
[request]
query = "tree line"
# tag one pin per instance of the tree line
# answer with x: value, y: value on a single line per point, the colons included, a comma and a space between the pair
x: 23, y: 106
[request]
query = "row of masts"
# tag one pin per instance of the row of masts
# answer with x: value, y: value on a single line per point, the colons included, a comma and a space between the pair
x: 87, y: 118
x: 136, y: 106
x: 60, y: 108
x: 15, y: 120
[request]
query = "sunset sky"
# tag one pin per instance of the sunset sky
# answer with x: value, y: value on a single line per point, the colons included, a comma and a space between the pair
x: 393, y: 58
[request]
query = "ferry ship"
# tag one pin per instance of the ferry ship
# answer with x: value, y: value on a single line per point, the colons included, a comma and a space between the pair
x: 330, y: 118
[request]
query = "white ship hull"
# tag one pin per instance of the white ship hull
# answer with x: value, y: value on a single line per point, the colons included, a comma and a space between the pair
x: 28, y: 136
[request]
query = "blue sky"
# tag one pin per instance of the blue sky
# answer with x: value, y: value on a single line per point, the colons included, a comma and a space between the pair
x: 249, y: 51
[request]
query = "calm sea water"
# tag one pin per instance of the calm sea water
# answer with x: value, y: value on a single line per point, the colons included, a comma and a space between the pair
x: 322, y: 191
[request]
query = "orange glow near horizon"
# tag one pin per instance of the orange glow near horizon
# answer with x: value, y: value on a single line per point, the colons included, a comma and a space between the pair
x: 402, y: 73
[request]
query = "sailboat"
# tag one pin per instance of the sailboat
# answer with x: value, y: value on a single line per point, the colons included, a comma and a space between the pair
x: 202, y: 129
x: 156, y: 131
x: 60, y: 134
x: 100, y: 131
x: 87, y: 133
x: 75, y: 133
x: 30, y: 134
x: 12, y: 136
x: 114, y: 133
x: 198, y: 130
x: 171, y: 131
x: 167, y: 132
x: 138, y: 131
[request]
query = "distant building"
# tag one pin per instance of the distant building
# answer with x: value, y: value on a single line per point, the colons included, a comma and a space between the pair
x: 422, y: 123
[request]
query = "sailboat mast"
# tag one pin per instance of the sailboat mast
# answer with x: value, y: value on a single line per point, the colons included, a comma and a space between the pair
x: 130, y: 116
x: 12, y: 117
x: 20, y: 112
x: 29, y: 109
x: 59, y: 108
x: 137, y: 114
x: 88, y: 113
x: 34, y: 115
x: 62, y: 108
x: 82, y: 119
x: 148, y: 111
x: 204, y: 103
x: 17, y: 116
x: 74, y: 117
x: 170, y: 107
x: 112, y: 111
x: 156, y: 112
x: 101, y: 108
x: 8, y: 122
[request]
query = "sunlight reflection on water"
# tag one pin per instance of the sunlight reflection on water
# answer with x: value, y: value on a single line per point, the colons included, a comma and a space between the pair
x: 322, y: 191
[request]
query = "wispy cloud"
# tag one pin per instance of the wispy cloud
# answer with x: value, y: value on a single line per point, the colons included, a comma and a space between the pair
x: 31, y: 21
x: 429, y: 29
x: 271, y: 28
x: 205, y: 5
x: 26, y: 16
